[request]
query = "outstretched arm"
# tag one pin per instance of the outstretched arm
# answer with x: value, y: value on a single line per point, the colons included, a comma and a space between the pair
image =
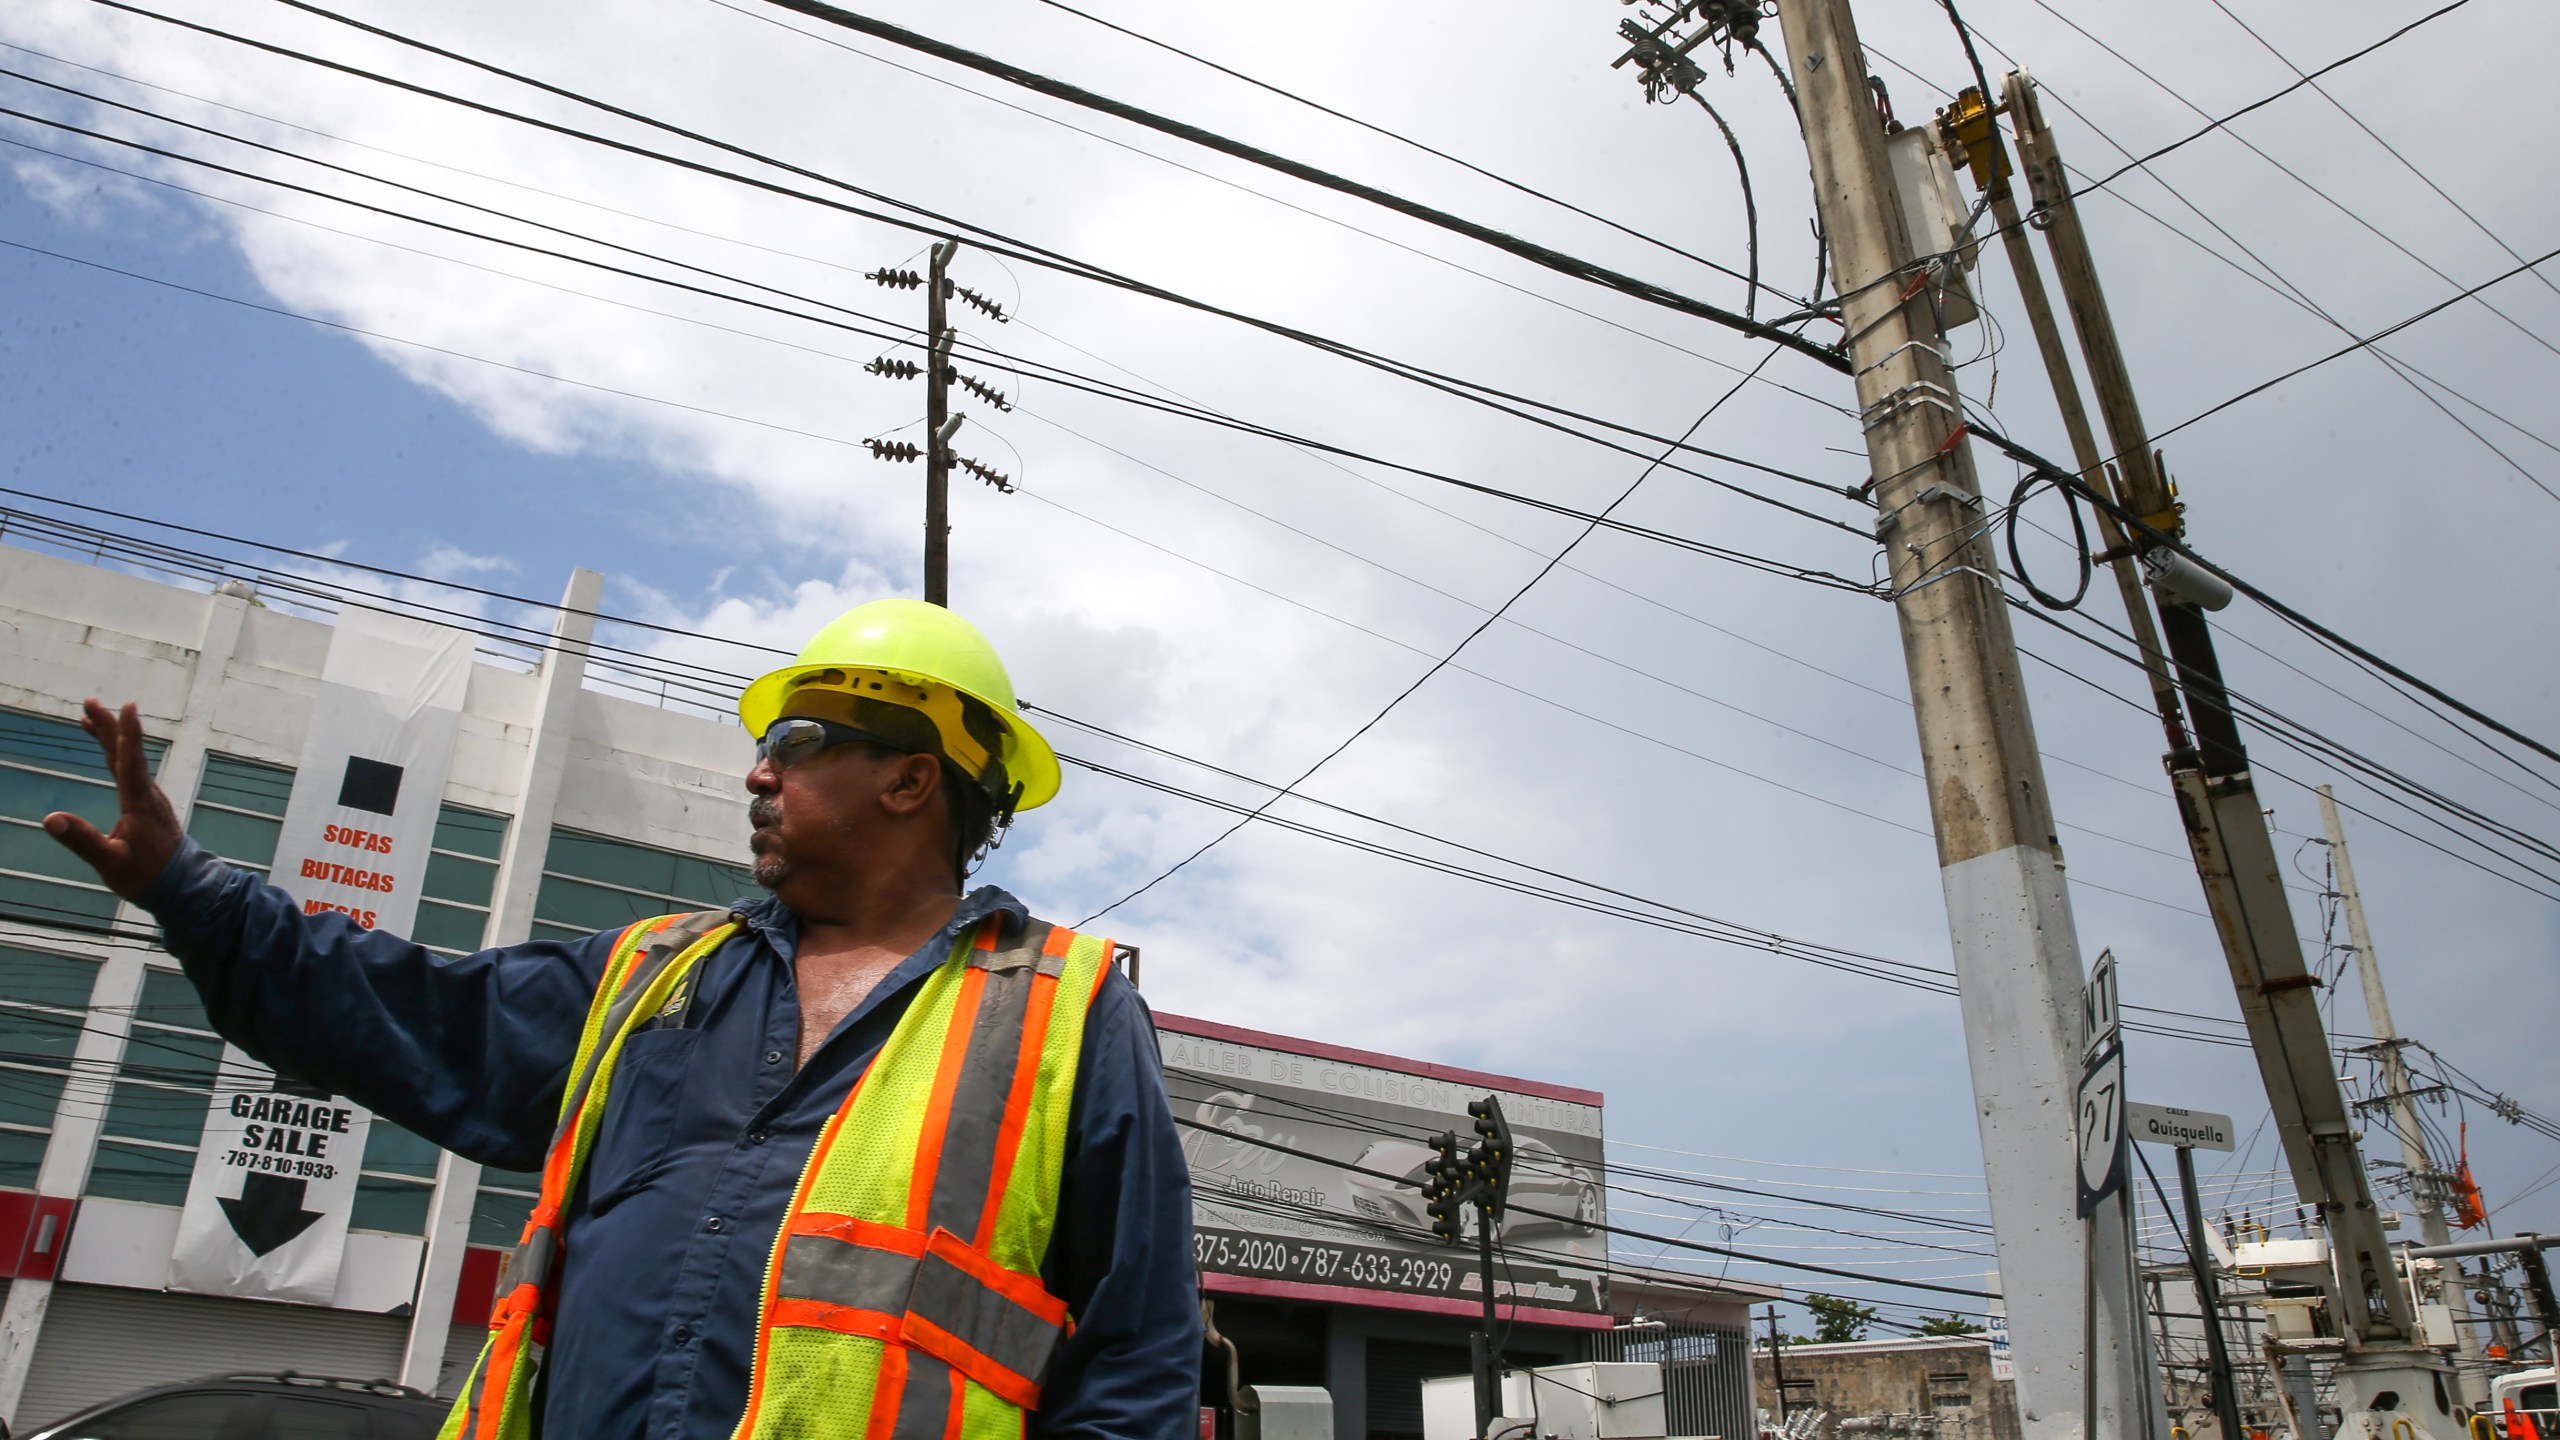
x: 470, y: 1052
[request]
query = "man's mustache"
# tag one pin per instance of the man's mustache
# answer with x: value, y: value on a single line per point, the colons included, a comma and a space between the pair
x: 764, y: 812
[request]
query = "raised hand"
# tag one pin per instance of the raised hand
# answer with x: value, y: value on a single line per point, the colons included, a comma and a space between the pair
x: 147, y: 831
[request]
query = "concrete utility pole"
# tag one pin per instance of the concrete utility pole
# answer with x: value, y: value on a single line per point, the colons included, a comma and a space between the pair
x: 2017, y: 956
x: 2429, y: 1186
x: 937, y: 426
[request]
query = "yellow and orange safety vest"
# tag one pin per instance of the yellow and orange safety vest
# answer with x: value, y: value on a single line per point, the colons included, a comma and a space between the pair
x: 903, y: 1297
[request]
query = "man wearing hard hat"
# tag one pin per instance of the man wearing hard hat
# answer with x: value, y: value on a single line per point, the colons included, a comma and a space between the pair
x: 865, y: 1158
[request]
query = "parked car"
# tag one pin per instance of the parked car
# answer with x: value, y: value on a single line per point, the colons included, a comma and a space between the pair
x: 258, y: 1407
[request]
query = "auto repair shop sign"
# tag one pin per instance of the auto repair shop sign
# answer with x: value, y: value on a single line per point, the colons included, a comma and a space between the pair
x: 275, y: 1178
x: 1306, y: 1167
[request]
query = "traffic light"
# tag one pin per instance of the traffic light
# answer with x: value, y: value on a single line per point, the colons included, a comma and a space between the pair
x: 1493, y: 1152
x: 1446, y: 1175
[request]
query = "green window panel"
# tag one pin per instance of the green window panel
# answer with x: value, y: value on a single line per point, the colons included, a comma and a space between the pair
x: 389, y: 1204
x: 395, y: 1151
x: 238, y: 809
x: 241, y: 839
x: 589, y: 908
x: 251, y: 785
x: 149, y: 1173
x: 37, y: 977
x: 171, y: 1063
x: 44, y: 999
x: 49, y: 744
x: 463, y: 882
x: 152, y: 1112
x: 30, y: 796
x: 21, y: 1154
x: 29, y: 1096
x: 684, y: 878
x: 592, y: 883
x: 37, y: 1035
x: 472, y: 832
x: 42, y: 743
x: 449, y: 927
x: 50, y: 902
x: 169, y: 998
x: 27, y: 848
x: 499, y: 1210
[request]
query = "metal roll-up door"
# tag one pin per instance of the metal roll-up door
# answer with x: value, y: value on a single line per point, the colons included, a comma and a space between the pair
x: 101, y: 1341
x: 462, y: 1347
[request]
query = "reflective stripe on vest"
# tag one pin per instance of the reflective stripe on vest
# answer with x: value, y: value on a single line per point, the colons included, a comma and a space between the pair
x: 903, y: 1301
x: 644, y: 970
x: 902, y: 1298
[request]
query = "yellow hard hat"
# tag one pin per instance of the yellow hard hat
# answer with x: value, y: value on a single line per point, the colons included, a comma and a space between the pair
x: 890, y: 656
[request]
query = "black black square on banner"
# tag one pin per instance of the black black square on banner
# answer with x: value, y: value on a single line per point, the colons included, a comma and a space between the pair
x: 370, y: 785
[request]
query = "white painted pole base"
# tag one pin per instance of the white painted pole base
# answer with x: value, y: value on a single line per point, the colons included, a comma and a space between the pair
x: 2019, y: 972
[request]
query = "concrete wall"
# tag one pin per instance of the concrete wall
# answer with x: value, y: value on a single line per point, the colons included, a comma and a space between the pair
x: 1943, y: 1383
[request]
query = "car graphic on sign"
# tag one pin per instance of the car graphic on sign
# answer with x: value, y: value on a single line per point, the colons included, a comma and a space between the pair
x: 1541, y: 1180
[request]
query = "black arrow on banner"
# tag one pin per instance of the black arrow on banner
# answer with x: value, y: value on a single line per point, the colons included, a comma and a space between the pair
x: 268, y: 1213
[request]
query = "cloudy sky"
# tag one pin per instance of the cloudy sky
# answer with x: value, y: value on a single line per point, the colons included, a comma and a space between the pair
x: 1689, y: 729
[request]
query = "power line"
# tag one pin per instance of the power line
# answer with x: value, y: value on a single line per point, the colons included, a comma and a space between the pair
x: 2382, y: 334
x: 1536, y: 254
x: 2331, y: 638
x: 2273, y: 280
x: 1519, y: 406
x: 1216, y: 179
x: 1435, y: 667
x: 1906, y: 973
x: 2387, y: 147
x: 2112, y: 176
x: 2288, y: 289
x: 1406, y: 140
x: 1807, y: 574
x: 1669, y: 1241
x: 988, y: 239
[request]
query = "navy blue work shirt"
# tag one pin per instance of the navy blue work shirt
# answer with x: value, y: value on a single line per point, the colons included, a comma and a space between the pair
x: 704, y: 1137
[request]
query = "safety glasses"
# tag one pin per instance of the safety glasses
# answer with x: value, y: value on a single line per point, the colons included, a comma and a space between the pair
x: 799, y: 737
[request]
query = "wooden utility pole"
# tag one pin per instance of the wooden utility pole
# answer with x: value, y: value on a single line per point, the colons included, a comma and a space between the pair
x: 2017, y: 956
x: 938, y: 426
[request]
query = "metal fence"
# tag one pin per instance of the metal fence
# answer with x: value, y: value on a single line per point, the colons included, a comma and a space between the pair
x: 1706, y: 1373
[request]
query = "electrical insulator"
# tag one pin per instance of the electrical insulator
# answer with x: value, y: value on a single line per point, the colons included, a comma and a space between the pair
x: 980, y: 302
x: 899, y: 450
x: 894, y: 369
x: 896, y: 279
x: 982, y: 390
x: 997, y: 478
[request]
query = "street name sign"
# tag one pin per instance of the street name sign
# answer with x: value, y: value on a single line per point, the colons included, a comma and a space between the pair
x: 2187, y: 1129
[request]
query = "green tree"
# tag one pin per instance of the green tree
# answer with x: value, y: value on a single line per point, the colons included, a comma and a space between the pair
x: 1836, y: 1318
x: 1949, y: 1325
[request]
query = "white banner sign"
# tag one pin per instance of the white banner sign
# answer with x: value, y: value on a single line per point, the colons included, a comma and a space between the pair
x: 275, y: 1176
